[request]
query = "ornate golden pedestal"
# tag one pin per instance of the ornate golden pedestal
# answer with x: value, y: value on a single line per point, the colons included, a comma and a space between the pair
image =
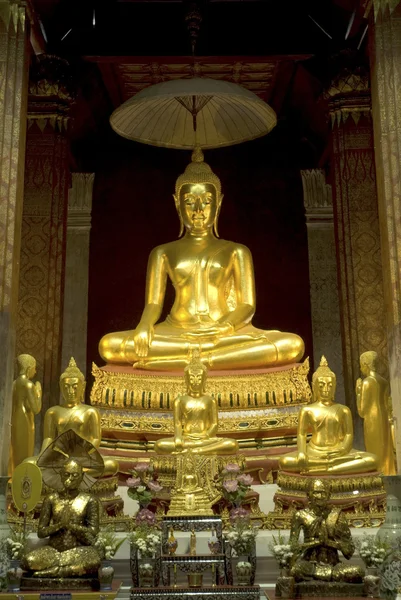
x: 259, y: 408
x: 361, y: 497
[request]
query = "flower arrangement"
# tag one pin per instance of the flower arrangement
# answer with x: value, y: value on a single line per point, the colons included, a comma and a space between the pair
x: 373, y: 551
x: 108, y: 543
x: 16, y: 544
x: 282, y: 550
x: 240, y: 534
x: 234, y: 484
x: 146, y: 537
x: 143, y: 484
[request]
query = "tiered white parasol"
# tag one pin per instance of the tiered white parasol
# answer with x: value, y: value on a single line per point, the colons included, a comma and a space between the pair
x: 183, y: 113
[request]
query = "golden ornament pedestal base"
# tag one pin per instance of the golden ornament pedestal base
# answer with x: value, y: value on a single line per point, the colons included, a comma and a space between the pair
x: 361, y: 497
x: 318, y: 589
x: 55, y: 592
x: 257, y: 407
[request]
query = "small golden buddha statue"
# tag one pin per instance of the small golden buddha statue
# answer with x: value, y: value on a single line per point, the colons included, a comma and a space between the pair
x: 74, y: 414
x: 214, y: 294
x: 325, y: 533
x: 26, y: 403
x: 374, y: 406
x: 70, y: 519
x: 330, y: 447
x: 195, y: 418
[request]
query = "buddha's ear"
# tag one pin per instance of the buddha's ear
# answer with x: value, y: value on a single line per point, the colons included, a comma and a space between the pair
x: 216, y: 218
x: 177, y: 206
x: 83, y: 390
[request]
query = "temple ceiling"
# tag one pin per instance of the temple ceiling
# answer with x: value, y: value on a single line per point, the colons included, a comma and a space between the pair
x: 126, y: 76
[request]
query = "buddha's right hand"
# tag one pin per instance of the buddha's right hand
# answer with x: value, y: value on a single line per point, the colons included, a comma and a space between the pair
x: 143, y: 336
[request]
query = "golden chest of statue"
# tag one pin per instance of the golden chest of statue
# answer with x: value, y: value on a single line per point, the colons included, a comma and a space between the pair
x: 195, y: 416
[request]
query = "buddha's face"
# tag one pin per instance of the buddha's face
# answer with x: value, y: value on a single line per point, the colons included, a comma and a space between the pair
x: 325, y: 388
x: 31, y: 370
x: 71, y: 475
x: 195, y: 380
x: 318, y: 495
x: 72, y: 389
x: 198, y: 205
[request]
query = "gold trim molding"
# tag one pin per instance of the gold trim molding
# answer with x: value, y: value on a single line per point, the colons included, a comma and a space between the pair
x: 131, y: 390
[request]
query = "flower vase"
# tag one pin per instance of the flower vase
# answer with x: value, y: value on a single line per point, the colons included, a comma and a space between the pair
x: 105, y: 574
x: 371, y: 582
x: 285, y: 586
x: 14, y: 575
x: 243, y: 569
x: 146, y: 573
x: 195, y: 580
x: 391, y: 528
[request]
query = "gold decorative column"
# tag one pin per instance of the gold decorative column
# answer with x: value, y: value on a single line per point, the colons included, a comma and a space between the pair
x: 43, y: 244
x: 13, y: 103
x: 75, y: 317
x: 362, y: 309
x: 326, y: 329
x: 385, y: 60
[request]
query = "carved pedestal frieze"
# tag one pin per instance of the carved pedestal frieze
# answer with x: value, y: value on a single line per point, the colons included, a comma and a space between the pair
x: 43, y: 243
x: 357, y: 230
x: 13, y: 105
x: 385, y: 57
x: 75, y: 317
x: 326, y: 327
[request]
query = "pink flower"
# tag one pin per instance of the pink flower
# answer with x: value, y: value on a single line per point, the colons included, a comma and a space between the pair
x: 245, y: 478
x: 141, y: 467
x: 133, y: 482
x: 239, y: 513
x: 232, y: 468
x: 154, y: 486
x: 231, y: 485
x: 146, y: 516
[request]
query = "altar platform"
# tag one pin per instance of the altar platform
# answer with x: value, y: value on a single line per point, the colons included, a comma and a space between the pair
x: 259, y: 408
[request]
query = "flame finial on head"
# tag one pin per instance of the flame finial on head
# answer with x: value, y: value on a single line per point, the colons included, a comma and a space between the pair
x: 323, y: 370
x: 195, y: 363
x: 197, y: 172
x: 72, y: 371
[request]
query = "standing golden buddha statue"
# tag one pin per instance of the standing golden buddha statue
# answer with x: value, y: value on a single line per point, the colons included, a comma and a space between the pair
x: 74, y: 414
x: 214, y: 294
x: 374, y: 406
x: 26, y: 403
x: 329, y: 451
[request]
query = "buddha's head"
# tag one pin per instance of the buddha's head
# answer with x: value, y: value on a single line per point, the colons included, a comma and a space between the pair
x: 26, y: 365
x: 198, y: 197
x: 71, y: 475
x: 72, y: 385
x: 195, y: 374
x: 368, y: 361
x: 318, y: 493
x: 324, y: 383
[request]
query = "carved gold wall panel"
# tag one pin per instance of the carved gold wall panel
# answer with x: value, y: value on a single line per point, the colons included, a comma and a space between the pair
x: 357, y: 231
x: 14, y: 62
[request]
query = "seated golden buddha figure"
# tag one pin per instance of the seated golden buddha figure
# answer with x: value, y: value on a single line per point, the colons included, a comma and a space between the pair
x: 214, y: 294
x: 195, y: 418
x: 330, y: 448
x: 325, y: 533
x: 74, y: 414
x: 70, y: 519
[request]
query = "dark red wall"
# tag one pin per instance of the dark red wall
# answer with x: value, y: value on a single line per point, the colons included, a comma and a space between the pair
x: 133, y: 211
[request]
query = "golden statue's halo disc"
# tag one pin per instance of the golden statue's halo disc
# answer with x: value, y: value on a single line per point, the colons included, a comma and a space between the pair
x: 26, y: 485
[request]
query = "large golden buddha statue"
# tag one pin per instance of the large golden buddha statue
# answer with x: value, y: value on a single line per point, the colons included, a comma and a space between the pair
x: 329, y: 451
x: 74, y: 414
x: 214, y: 294
x: 195, y: 418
